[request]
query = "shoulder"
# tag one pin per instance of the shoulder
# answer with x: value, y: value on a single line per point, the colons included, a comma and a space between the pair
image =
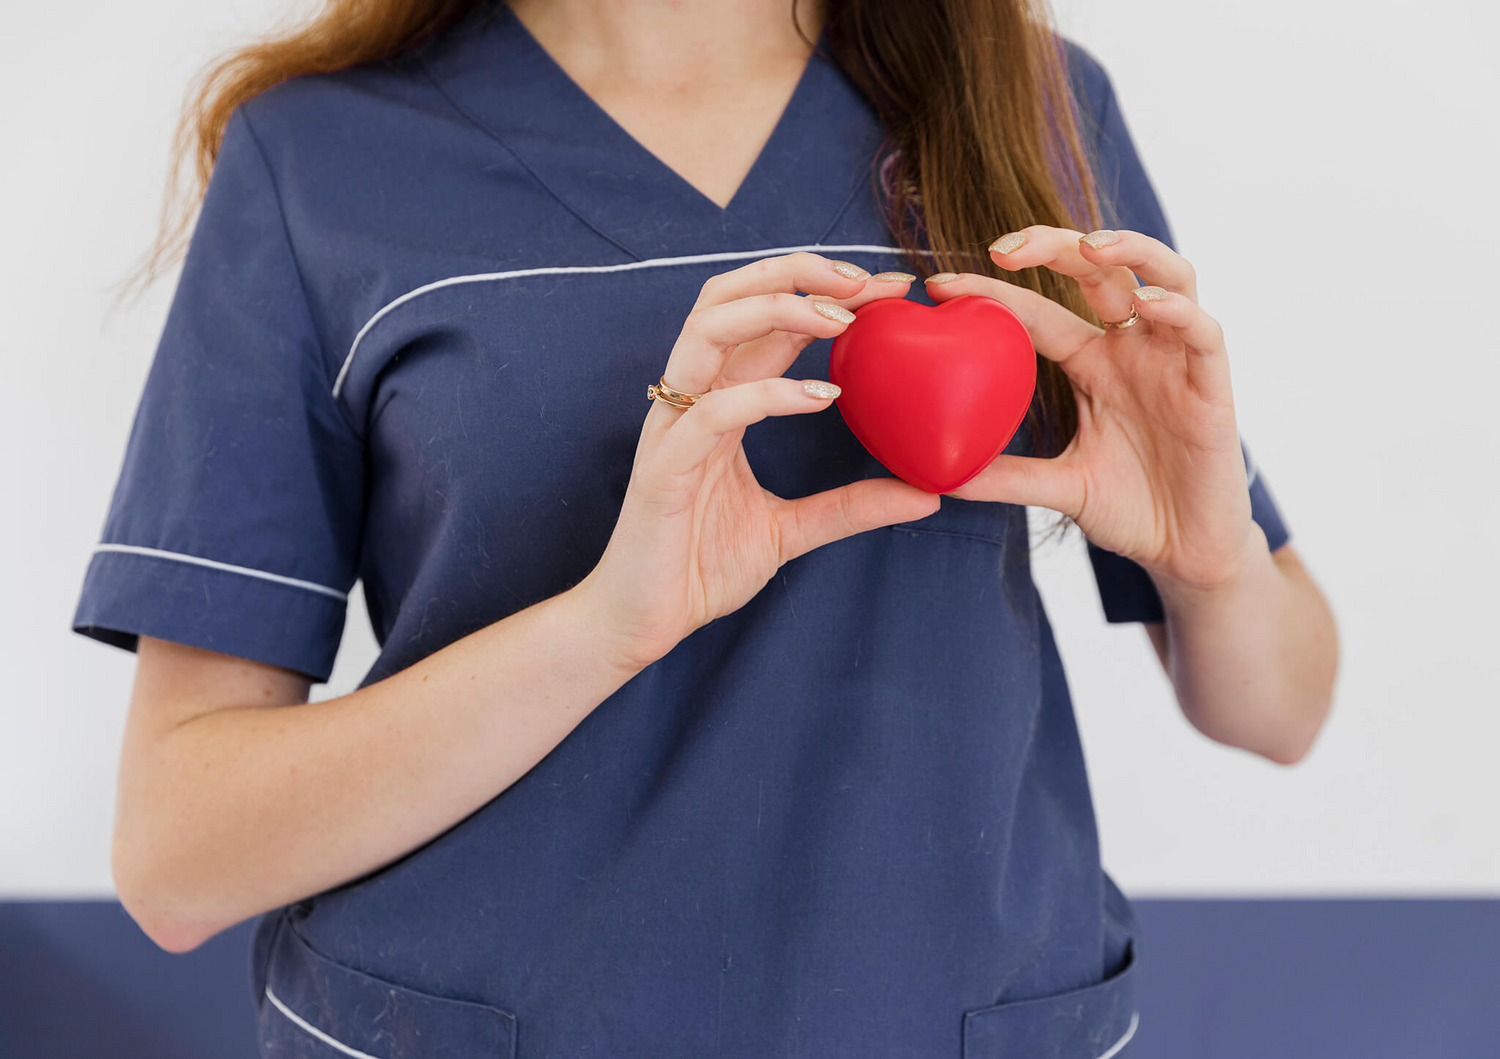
x: 381, y: 103
x: 370, y: 168
x: 342, y: 118
x: 1127, y: 197
x: 1090, y: 81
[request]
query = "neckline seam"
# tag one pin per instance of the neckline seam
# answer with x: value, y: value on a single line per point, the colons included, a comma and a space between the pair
x: 520, y: 160
x: 650, y: 158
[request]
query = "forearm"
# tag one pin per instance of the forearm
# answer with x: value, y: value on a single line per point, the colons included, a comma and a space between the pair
x: 247, y: 808
x: 1253, y: 660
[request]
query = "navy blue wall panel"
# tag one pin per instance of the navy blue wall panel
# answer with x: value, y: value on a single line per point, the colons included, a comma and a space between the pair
x: 1220, y: 979
x: 78, y: 979
x: 1324, y: 979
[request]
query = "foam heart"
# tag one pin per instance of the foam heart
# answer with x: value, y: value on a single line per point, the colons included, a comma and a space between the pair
x: 934, y: 392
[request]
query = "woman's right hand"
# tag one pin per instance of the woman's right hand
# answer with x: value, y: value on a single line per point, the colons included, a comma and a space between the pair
x: 697, y: 535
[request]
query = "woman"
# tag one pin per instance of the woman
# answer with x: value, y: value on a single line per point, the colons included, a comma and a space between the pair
x: 694, y: 732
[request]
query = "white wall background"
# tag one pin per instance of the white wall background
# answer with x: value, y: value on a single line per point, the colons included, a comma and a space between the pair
x: 1329, y: 169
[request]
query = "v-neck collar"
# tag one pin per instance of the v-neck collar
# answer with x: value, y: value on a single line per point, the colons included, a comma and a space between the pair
x: 816, y: 157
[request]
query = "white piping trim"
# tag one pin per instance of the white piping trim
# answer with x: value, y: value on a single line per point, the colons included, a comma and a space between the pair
x: 310, y: 1028
x: 554, y: 270
x: 1135, y: 1020
x: 1251, y: 464
x: 282, y: 579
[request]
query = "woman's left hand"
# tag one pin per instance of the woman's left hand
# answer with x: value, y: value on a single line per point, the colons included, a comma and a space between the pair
x: 1155, y: 471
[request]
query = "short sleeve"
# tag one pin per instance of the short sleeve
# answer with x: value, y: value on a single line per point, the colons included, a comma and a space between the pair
x: 234, y: 523
x: 1128, y: 200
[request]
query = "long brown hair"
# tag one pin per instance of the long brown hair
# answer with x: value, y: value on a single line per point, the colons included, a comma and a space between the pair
x: 983, y: 134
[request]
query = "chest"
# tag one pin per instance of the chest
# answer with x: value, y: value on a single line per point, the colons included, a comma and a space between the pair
x: 505, y: 416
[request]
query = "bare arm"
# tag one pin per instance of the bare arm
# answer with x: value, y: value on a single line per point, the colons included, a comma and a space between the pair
x: 1253, y: 661
x: 232, y: 800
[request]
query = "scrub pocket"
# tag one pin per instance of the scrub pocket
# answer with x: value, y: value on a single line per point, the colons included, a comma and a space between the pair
x: 314, y: 1008
x: 1095, y: 1022
x: 979, y: 519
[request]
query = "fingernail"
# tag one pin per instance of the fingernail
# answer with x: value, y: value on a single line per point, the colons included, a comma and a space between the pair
x: 942, y: 277
x: 1102, y: 238
x: 1006, y: 243
x: 1150, y: 294
x: 832, y: 311
x: 819, y: 388
x: 849, y: 269
x: 894, y: 277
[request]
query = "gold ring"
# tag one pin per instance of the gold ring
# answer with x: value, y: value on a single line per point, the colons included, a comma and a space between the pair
x: 1134, y: 316
x: 676, y: 398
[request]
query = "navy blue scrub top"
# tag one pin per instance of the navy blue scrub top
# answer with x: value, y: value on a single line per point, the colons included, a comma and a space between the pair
x: 410, y: 345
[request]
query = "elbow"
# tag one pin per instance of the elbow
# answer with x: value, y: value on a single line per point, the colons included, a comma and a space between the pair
x: 151, y: 904
x: 1290, y: 754
x: 175, y: 943
x: 1304, y: 728
x: 1312, y: 716
x: 1283, y: 731
x: 1315, y: 677
x: 171, y: 937
x: 1277, y: 733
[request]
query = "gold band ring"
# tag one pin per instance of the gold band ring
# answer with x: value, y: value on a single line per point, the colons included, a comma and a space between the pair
x: 676, y: 398
x: 1132, y: 318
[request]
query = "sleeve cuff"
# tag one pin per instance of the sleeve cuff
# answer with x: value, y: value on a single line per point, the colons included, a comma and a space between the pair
x: 1125, y: 589
x: 1129, y: 594
x: 252, y: 614
x: 1264, y: 510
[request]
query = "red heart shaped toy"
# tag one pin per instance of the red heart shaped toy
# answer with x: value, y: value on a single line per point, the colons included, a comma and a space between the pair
x: 934, y: 392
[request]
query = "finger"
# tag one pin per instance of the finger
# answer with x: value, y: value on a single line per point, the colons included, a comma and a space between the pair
x: 710, y: 333
x: 774, y: 354
x: 1201, y: 336
x: 1056, y: 483
x: 698, y: 429
x: 812, y: 521
x: 1056, y: 331
x: 880, y: 285
x: 1151, y: 259
x: 1106, y: 287
x: 802, y: 271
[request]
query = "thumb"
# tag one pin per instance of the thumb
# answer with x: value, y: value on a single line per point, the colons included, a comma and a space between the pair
x: 812, y: 521
x: 1054, y: 483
